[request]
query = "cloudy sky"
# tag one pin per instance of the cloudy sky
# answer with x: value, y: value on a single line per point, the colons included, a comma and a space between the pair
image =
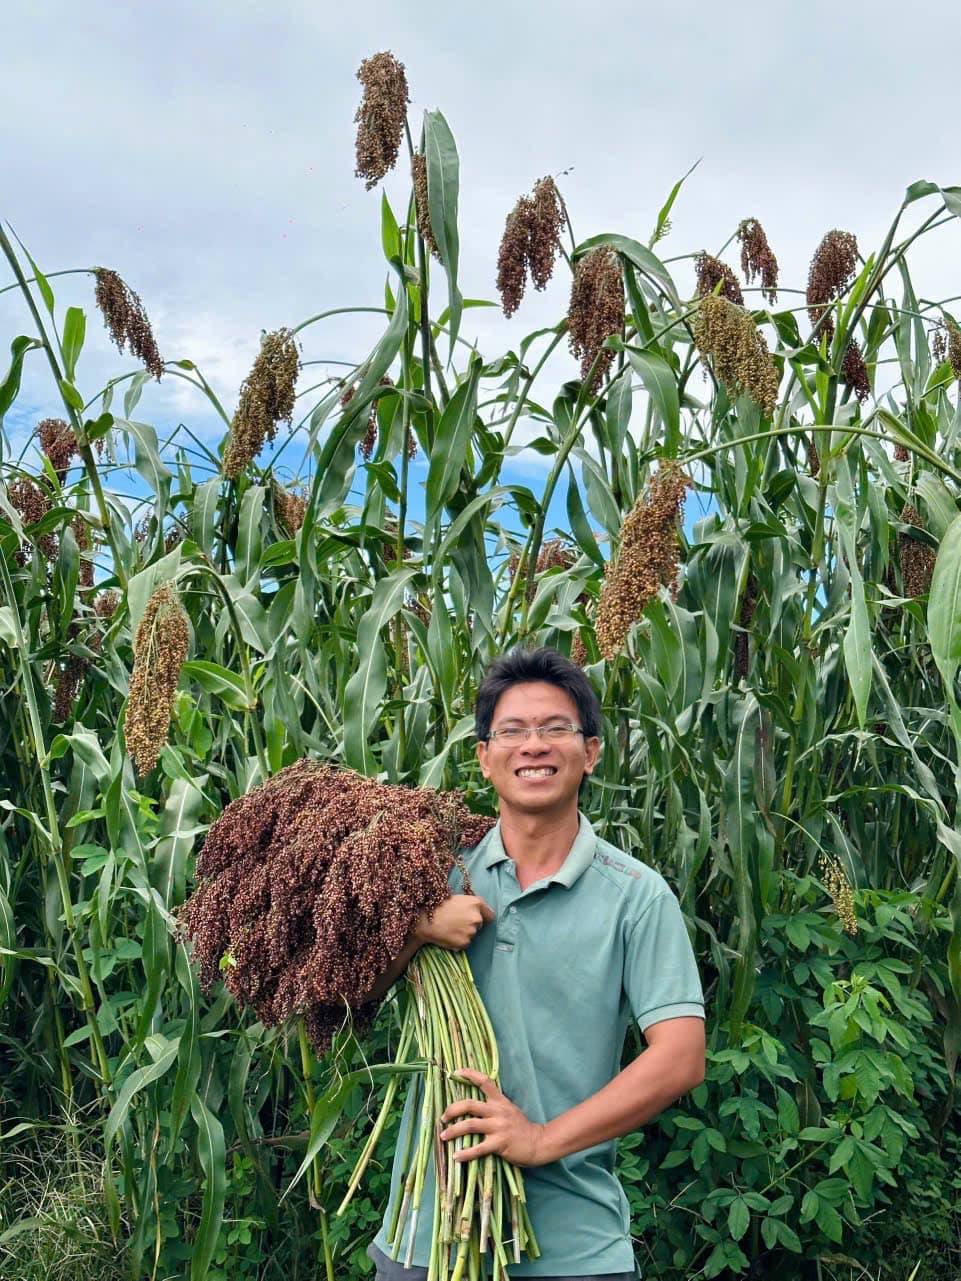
x: 205, y: 150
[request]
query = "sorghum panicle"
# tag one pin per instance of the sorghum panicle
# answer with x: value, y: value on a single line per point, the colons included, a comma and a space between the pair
x: 954, y: 348
x: 832, y: 269
x: 814, y: 458
x: 266, y: 397
x: 380, y: 116
x: 290, y: 508
x: 757, y: 258
x: 512, y: 255
x: 743, y: 637
x: 68, y: 680
x: 727, y: 333
x: 310, y: 884
x: 646, y: 558
x: 710, y: 273
x: 596, y: 311
x: 126, y: 319
x: 81, y: 532
x: 418, y: 166
x: 544, y: 231
x: 939, y: 344
x: 578, y: 650
x: 32, y: 503
x: 839, y: 888
x: 917, y: 558
x: 854, y: 372
x: 59, y: 444
x: 160, y: 651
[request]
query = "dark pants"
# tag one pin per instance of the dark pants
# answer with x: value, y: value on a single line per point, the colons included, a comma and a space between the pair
x: 392, y: 1270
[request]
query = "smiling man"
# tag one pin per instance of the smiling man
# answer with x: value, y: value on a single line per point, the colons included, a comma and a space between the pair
x: 569, y: 939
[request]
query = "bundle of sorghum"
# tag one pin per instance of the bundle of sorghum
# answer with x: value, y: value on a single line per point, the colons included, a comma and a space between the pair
x: 530, y: 243
x: 418, y: 170
x: 854, y: 372
x: 59, y: 444
x: 596, y: 311
x: 832, y: 270
x: 159, y: 653
x: 727, y: 333
x: 31, y: 504
x: 711, y: 273
x: 308, y: 888
x: 917, y: 558
x: 380, y: 116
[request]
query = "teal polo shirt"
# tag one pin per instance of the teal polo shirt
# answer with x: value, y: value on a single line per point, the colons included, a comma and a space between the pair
x: 562, y: 969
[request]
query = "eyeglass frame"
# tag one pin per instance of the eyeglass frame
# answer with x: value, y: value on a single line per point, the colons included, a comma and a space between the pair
x: 528, y: 730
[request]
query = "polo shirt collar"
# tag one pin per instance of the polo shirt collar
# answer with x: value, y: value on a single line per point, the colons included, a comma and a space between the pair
x: 579, y: 857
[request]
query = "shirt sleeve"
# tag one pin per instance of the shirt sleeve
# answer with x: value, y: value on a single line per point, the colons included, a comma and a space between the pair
x: 660, y: 973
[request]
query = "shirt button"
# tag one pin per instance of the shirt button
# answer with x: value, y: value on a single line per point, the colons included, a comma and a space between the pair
x: 511, y: 911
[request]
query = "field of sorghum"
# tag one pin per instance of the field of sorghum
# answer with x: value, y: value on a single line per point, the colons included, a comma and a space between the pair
x: 779, y: 683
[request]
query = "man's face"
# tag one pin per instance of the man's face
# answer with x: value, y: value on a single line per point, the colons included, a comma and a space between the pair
x: 537, y: 775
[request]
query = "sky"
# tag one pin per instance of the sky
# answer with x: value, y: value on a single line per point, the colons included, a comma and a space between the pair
x: 206, y: 152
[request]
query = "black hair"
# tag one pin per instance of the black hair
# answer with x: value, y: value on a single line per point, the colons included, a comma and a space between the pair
x: 519, y: 666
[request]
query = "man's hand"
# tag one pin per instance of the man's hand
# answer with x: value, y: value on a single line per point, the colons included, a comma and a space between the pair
x: 454, y: 922
x: 506, y: 1129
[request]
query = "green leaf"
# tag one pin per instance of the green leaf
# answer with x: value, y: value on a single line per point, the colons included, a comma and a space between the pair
x: 204, y: 514
x: 660, y: 383
x: 443, y: 169
x: 70, y: 395
x: 450, y: 442
x: 213, y: 1157
x: 739, y: 814
x: 580, y: 527
x: 366, y: 688
x: 74, y: 328
x: 857, y: 635
x: 135, y: 1082
x: 147, y: 460
x: 143, y: 585
x: 215, y: 679
x: 738, y: 1218
x: 647, y: 263
x: 11, y: 380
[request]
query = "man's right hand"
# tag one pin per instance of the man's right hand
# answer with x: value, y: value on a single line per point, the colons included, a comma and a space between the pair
x: 454, y: 922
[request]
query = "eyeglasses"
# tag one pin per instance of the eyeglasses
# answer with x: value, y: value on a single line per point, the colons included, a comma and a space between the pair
x: 514, y: 734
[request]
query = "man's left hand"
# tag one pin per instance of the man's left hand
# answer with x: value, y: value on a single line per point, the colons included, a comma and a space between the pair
x: 505, y: 1128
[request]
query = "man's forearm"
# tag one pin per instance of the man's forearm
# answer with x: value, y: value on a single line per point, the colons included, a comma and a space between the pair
x: 636, y: 1095
x: 398, y: 966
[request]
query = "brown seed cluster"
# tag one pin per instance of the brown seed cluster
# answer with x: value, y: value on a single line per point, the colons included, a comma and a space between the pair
x: 832, y: 269
x: 939, y: 344
x: 757, y: 258
x: 105, y: 604
x: 646, y: 559
x: 596, y: 311
x: 418, y: 168
x: 31, y: 503
x: 126, y: 319
x: 743, y: 637
x: 160, y: 651
x: 266, y: 397
x: 839, y: 888
x: 530, y: 243
x: 380, y: 116
x: 290, y: 508
x: 946, y: 342
x: 711, y: 273
x: 81, y: 532
x: 68, y: 679
x: 369, y: 442
x: 814, y: 458
x: 309, y: 887
x: 727, y: 333
x: 556, y: 553
x: 578, y: 650
x: 917, y: 558
x: 59, y: 444
x: 854, y: 372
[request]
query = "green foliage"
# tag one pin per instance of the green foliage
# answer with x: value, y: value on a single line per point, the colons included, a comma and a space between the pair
x: 789, y: 701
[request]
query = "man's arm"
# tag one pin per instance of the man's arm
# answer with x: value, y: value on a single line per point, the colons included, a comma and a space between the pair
x: 452, y: 924
x: 672, y: 1064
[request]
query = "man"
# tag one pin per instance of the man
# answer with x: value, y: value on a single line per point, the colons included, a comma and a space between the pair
x: 568, y: 938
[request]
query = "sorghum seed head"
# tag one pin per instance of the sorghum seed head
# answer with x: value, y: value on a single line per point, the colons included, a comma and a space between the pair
x: 312, y: 883
x: 512, y: 255
x: 814, y: 458
x: 544, y: 231
x: 757, y: 258
x: 32, y: 503
x: 917, y: 558
x: 290, y: 508
x: 596, y: 311
x: 67, y: 682
x: 710, y: 273
x: 646, y: 558
x: 81, y: 532
x: 418, y: 166
x: 939, y: 344
x: 727, y: 333
x: 380, y: 116
x: 839, y: 888
x: 954, y: 348
x: 266, y: 397
x: 832, y: 270
x: 742, y: 637
x: 578, y: 650
x: 105, y: 604
x: 160, y: 651
x: 854, y: 372
x: 59, y: 444
x: 126, y: 319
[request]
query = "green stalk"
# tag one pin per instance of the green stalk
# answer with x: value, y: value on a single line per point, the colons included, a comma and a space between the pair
x: 101, y: 1065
